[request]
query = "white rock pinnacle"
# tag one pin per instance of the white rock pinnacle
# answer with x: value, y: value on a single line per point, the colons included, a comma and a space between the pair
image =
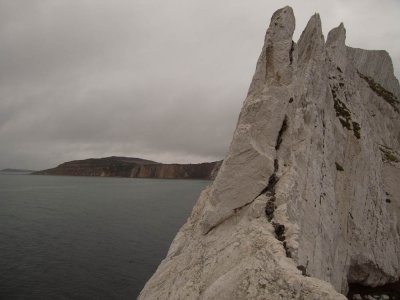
x: 308, y: 198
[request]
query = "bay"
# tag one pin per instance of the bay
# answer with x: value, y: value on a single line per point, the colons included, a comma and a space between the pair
x: 87, y: 237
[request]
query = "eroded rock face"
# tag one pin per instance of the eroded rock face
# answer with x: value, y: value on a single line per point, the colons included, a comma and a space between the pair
x: 308, y: 198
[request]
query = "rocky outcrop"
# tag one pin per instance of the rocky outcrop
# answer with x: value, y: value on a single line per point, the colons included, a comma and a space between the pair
x: 307, y: 200
x: 133, y: 167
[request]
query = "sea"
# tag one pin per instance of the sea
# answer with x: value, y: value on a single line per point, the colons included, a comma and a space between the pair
x: 87, y: 237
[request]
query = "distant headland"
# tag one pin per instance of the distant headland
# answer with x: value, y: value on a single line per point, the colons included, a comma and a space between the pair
x: 115, y: 166
x: 9, y: 170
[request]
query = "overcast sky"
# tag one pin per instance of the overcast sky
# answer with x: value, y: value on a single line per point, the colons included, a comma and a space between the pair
x: 162, y: 80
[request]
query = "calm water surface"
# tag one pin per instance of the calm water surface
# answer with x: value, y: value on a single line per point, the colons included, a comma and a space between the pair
x: 86, y: 238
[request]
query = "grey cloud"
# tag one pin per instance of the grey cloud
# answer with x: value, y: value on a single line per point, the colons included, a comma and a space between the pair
x: 162, y: 80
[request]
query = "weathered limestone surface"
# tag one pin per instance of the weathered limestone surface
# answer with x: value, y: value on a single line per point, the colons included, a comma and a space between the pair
x: 308, y: 198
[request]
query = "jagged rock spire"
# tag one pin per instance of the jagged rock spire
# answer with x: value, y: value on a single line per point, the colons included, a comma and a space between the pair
x: 307, y: 199
x: 276, y: 57
x: 254, y: 142
x: 335, y: 46
x: 311, y: 44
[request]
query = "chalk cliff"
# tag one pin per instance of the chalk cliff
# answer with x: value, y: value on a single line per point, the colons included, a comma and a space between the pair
x: 307, y: 200
x: 115, y: 166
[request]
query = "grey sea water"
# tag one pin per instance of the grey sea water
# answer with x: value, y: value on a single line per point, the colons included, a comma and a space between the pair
x: 86, y: 238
